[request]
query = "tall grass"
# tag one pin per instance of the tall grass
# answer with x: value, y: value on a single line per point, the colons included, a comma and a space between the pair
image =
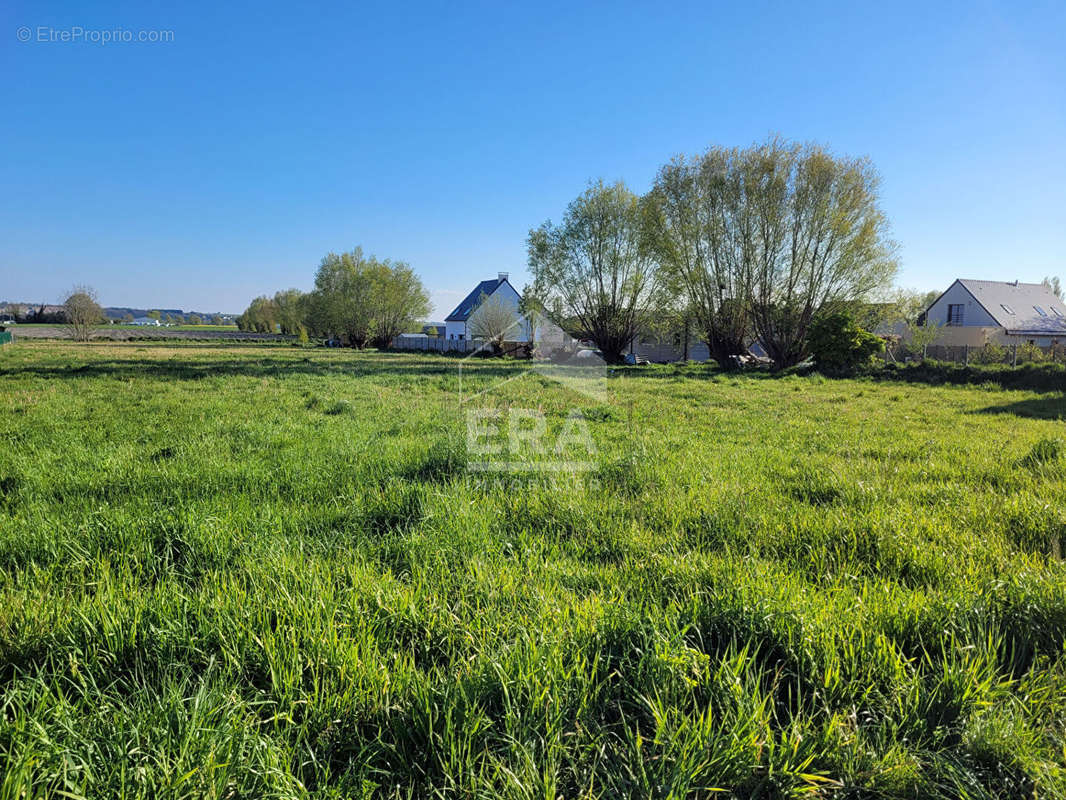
x: 253, y: 571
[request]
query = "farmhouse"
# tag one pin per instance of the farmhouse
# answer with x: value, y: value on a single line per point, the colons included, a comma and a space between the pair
x: 457, y: 323
x: 145, y: 321
x: 976, y: 313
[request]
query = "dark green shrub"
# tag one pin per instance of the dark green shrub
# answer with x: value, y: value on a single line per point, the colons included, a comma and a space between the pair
x: 838, y: 344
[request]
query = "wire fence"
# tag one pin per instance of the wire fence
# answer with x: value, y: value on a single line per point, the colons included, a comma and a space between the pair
x: 1008, y: 355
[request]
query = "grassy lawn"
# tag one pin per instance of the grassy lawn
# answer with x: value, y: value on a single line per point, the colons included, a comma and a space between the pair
x: 264, y: 571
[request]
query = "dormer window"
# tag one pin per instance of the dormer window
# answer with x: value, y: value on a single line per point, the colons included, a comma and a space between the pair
x: 1006, y: 308
x: 1040, y: 311
x: 1056, y: 312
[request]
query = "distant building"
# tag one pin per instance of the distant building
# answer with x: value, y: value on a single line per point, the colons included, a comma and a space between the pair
x: 976, y: 313
x: 437, y: 329
x: 457, y: 323
x: 145, y: 321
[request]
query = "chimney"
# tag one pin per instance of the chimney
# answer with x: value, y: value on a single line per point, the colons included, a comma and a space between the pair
x: 503, y: 275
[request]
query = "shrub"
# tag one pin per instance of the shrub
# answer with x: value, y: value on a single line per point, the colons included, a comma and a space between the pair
x: 838, y: 344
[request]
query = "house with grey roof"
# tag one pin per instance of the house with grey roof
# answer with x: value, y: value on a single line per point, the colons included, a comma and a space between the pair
x: 457, y: 324
x: 976, y: 313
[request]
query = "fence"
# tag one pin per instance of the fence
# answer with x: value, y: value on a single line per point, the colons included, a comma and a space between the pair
x: 1009, y: 355
x: 438, y: 344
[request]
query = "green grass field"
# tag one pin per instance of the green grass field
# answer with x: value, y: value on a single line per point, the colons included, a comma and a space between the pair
x: 264, y: 571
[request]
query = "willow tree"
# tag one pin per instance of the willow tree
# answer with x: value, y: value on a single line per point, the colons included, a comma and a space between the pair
x: 342, y: 301
x: 697, y: 234
x: 813, y: 239
x: 594, y: 269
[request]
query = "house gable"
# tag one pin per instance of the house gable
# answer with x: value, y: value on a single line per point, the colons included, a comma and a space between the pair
x: 974, y: 313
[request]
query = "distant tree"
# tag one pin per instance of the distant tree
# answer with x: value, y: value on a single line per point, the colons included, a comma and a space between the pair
x: 291, y: 310
x: 195, y: 319
x: 594, y: 267
x: 839, y: 345
x: 398, y: 300
x: 341, y: 303
x: 128, y: 318
x: 494, y: 320
x: 154, y: 315
x: 217, y: 320
x: 892, y: 307
x: 83, y: 312
x: 431, y: 330
x: 1055, y: 285
x: 921, y: 336
x: 261, y: 316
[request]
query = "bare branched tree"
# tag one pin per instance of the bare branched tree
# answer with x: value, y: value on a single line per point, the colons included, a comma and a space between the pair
x: 495, y: 320
x: 83, y: 312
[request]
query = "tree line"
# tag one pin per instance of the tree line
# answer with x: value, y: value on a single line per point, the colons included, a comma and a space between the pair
x: 357, y: 298
x: 748, y: 243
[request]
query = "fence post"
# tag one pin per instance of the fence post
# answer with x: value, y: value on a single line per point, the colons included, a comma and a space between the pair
x: 1014, y: 355
x: 966, y: 355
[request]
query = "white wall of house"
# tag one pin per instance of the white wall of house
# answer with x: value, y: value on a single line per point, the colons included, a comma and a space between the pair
x: 507, y: 293
x: 973, y: 314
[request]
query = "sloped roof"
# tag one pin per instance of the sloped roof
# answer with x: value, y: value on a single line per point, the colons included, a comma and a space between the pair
x: 1016, y: 306
x: 471, y: 301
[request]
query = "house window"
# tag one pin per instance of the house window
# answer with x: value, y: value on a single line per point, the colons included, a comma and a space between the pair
x: 1040, y: 311
x: 1006, y: 308
x: 955, y: 313
x: 1056, y: 312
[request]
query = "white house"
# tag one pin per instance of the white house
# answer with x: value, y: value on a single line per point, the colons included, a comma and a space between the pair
x: 145, y: 321
x: 457, y: 323
x: 979, y: 312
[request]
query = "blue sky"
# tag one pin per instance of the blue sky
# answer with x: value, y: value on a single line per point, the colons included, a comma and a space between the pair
x: 201, y: 172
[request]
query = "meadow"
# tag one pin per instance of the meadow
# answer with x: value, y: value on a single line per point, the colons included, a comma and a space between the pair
x: 240, y: 570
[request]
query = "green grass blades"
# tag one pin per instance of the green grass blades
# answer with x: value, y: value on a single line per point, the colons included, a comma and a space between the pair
x: 265, y: 571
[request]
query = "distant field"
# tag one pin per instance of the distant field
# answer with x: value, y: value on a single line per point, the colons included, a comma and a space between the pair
x: 265, y: 571
x: 127, y: 332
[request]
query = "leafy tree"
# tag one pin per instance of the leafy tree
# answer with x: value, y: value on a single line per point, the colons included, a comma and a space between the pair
x: 341, y: 303
x: 813, y: 239
x: 83, y: 312
x: 217, y: 320
x: 839, y: 345
x: 594, y: 266
x: 494, y: 320
x: 398, y: 300
x: 921, y: 336
x: 128, y: 318
x: 195, y: 319
x: 261, y: 316
x: 1055, y: 285
x: 693, y: 210
x: 154, y: 315
x: 291, y: 309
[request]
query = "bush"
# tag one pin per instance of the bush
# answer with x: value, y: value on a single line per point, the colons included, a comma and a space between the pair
x: 838, y: 344
x: 989, y: 354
